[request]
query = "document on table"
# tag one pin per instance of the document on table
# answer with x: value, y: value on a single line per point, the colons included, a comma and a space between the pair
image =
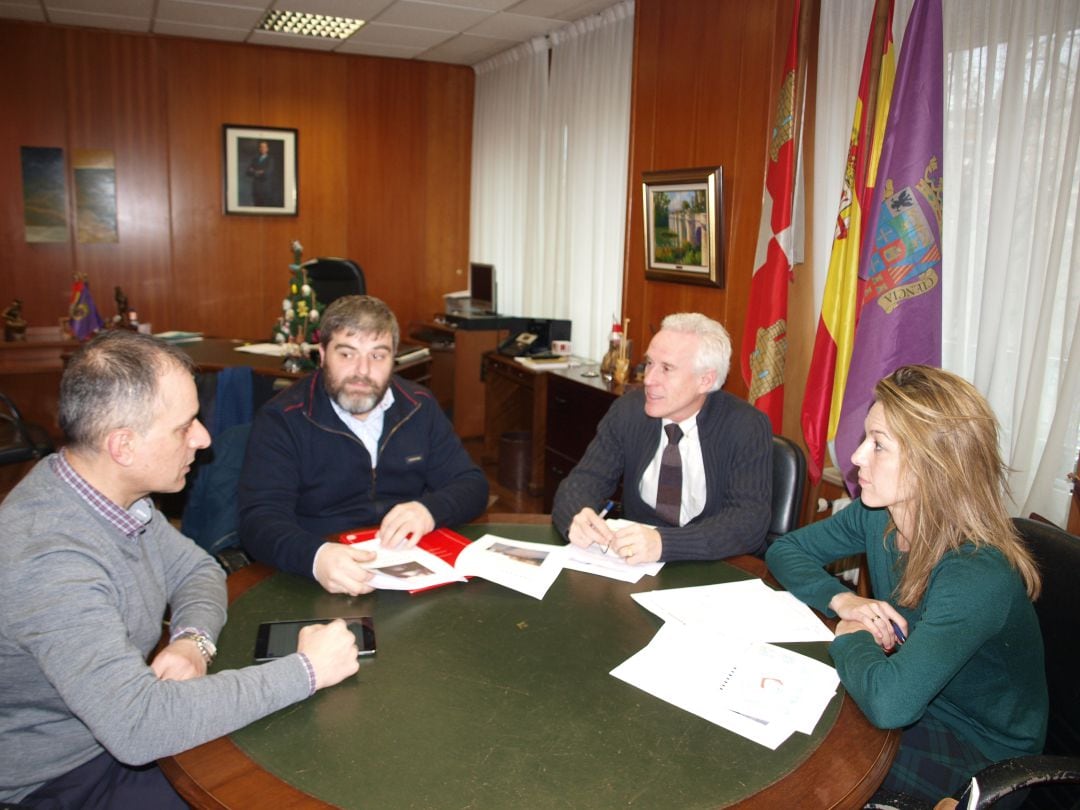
x: 759, y: 691
x: 269, y: 349
x: 406, y: 569
x: 526, y: 567
x: 607, y: 563
x: 749, y: 610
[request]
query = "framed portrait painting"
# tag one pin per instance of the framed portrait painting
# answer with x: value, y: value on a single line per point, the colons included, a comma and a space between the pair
x: 684, y: 240
x: 260, y: 170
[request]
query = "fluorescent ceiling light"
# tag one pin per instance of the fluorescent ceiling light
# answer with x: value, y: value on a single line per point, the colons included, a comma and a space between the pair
x: 309, y: 25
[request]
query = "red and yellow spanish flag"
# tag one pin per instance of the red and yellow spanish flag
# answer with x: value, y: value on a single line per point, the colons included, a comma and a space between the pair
x: 764, y: 345
x: 840, y: 306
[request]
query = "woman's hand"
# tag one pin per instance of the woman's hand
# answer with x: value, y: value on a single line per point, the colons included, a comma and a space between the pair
x: 873, y: 615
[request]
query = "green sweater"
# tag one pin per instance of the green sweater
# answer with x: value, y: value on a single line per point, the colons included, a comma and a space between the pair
x: 974, y: 655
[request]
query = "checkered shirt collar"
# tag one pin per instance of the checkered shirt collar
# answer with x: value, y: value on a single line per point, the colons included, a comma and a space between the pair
x: 129, y: 523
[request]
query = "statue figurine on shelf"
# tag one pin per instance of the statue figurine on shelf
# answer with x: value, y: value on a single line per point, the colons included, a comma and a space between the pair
x: 14, y: 325
x: 125, y: 317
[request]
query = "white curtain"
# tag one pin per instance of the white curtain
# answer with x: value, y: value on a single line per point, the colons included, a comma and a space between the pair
x: 558, y: 249
x: 1010, y: 236
x: 508, y: 114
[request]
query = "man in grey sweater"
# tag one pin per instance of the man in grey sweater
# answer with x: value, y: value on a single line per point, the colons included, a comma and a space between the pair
x: 88, y: 568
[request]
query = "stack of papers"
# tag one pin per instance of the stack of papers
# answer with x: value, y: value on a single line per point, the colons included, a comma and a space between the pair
x: 757, y: 690
x: 712, y: 658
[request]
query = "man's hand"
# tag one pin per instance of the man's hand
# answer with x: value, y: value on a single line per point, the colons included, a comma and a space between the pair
x: 874, y: 615
x: 638, y: 544
x: 587, y: 528
x: 338, y: 569
x: 405, y: 525
x: 331, y: 649
x: 180, y: 661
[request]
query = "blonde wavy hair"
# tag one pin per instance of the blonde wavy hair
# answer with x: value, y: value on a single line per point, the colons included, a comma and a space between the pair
x: 948, y: 442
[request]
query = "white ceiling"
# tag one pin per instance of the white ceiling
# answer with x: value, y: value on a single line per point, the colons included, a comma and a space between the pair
x: 457, y: 31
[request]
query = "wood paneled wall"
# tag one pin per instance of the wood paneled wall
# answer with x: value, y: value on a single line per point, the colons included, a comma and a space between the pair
x: 706, y: 75
x: 384, y: 152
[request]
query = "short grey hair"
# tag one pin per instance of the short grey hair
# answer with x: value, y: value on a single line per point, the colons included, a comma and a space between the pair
x: 112, y: 382
x: 714, y: 345
x: 358, y: 314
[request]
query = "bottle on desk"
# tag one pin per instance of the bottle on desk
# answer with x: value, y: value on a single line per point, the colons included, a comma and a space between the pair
x: 607, y: 365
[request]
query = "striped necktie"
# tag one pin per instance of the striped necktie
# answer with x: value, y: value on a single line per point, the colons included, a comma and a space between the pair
x: 669, y: 486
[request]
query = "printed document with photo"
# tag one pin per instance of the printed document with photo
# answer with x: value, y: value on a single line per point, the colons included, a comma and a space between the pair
x: 406, y: 569
x: 530, y: 568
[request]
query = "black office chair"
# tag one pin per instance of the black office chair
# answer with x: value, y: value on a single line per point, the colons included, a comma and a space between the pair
x: 331, y: 278
x: 788, y: 487
x: 1052, y: 778
x: 20, y: 440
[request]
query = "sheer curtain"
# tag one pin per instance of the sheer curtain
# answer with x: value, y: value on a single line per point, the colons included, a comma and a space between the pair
x: 507, y: 175
x: 557, y: 239
x: 1011, y: 245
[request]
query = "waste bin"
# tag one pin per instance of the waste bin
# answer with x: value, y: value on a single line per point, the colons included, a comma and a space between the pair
x: 515, y: 453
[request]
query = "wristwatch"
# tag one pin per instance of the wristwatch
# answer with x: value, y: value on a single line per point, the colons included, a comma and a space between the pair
x: 203, y: 642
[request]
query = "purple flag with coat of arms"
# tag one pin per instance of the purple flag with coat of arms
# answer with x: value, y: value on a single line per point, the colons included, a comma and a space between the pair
x: 900, y: 259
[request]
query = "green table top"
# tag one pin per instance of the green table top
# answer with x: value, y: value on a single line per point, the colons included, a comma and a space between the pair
x: 482, y: 697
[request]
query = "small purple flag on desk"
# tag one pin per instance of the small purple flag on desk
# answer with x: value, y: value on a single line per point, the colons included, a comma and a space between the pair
x: 900, y: 259
x: 84, y: 315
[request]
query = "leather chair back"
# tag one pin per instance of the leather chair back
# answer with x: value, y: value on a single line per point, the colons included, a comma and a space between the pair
x: 331, y: 278
x: 788, y: 487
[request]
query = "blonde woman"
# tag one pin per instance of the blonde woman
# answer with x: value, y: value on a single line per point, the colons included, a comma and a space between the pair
x: 950, y: 651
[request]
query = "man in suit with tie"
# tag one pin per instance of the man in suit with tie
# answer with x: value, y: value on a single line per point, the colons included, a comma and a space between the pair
x: 695, y: 462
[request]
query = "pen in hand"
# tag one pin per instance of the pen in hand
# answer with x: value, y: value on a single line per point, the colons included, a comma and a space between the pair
x: 603, y: 514
x: 898, y: 632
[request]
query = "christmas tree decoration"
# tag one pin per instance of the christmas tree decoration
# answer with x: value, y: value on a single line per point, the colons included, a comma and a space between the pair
x: 298, y: 324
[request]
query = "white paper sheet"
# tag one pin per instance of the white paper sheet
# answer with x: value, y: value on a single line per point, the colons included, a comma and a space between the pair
x: 607, y: 563
x: 749, y: 609
x: 760, y: 692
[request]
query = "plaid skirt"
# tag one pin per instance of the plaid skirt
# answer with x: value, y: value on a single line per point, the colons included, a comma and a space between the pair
x: 932, y: 762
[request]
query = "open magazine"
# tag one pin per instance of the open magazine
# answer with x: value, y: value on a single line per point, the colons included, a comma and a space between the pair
x: 444, y: 556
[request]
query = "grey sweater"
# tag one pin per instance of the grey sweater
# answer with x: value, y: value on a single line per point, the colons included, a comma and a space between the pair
x: 81, y: 609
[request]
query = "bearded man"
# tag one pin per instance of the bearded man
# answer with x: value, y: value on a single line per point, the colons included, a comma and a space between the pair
x: 352, y: 445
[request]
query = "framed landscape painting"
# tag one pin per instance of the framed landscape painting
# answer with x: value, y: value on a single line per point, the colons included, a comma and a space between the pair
x: 683, y: 212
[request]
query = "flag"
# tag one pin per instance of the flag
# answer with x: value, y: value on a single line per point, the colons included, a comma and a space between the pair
x: 764, y: 346
x: 828, y: 372
x: 84, y: 315
x: 900, y: 260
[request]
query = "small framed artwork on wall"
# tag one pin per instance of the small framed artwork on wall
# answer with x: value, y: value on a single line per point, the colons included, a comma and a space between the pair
x: 260, y: 173
x: 683, y: 211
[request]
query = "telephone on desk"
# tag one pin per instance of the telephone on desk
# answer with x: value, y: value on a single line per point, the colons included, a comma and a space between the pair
x: 521, y: 345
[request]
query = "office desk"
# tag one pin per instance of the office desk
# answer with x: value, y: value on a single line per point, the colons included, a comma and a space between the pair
x: 482, y: 697
x: 214, y: 354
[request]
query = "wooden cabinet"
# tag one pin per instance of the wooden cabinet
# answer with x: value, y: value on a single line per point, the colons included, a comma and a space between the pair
x: 456, y: 381
x: 575, y: 406
x: 515, y: 400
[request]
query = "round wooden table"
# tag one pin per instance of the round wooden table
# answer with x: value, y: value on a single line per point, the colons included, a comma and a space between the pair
x: 469, y: 701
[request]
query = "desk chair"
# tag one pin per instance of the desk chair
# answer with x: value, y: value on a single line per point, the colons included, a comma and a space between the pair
x: 331, y: 278
x: 20, y: 440
x: 788, y: 487
x: 1053, y: 776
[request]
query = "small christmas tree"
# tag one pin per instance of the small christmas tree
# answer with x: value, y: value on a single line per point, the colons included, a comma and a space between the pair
x: 299, y: 321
